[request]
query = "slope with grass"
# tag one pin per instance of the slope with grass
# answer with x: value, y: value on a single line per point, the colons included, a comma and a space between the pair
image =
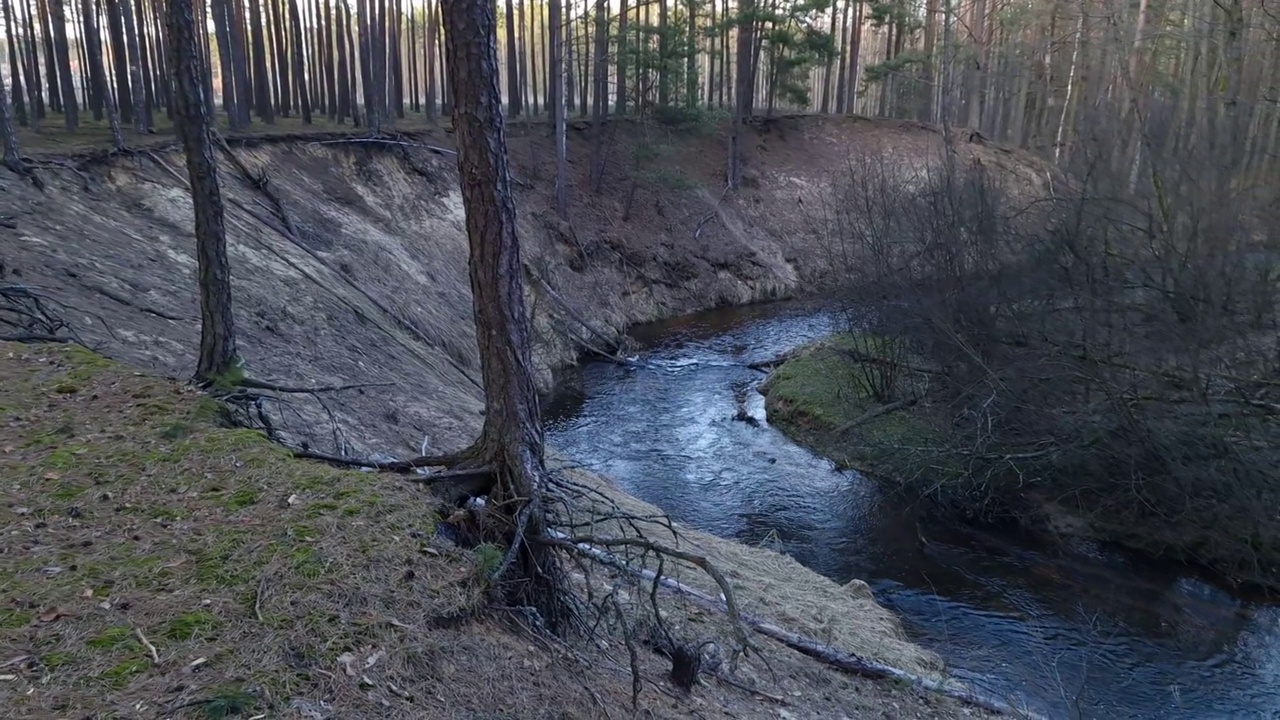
x: 156, y: 564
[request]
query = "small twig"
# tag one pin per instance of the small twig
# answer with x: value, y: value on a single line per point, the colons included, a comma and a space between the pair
x: 257, y: 598
x: 155, y: 656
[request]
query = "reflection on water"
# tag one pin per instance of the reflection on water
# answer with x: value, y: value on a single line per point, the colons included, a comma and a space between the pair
x: 1075, y: 636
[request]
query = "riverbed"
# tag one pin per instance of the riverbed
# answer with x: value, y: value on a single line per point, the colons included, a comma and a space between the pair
x: 1085, y: 633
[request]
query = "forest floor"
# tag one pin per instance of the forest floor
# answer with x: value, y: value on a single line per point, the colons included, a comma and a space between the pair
x: 350, y: 266
x: 161, y: 565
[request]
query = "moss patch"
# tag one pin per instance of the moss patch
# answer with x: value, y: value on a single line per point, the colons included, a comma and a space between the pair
x: 819, y: 391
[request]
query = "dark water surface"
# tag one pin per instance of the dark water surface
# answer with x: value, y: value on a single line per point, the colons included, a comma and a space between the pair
x: 1079, y: 636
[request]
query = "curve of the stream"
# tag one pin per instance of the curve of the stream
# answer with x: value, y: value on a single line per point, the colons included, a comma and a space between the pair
x: 1098, y: 636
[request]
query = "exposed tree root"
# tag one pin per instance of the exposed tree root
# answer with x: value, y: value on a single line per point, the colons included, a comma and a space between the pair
x: 399, y: 466
x: 274, y: 387
x: 834, y: 657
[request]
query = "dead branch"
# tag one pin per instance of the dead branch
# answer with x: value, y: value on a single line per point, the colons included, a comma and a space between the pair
x: 587, y: 543
x: 874, y: 413
x: 715, y: 212
x: 265, y: 385
x: 382, y: 141
x: 400, y: 466
x: 835, y: 657
x: 563, y: 305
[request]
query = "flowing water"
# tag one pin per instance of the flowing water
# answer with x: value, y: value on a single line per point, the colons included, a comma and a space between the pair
x: 1079, y: 635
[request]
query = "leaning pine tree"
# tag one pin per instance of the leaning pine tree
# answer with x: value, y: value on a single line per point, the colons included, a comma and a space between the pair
x: 191, y: 118
x: 511, y: 443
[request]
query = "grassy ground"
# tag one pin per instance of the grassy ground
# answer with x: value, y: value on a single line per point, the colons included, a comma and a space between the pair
x: 159, y: 565
x: 151, y: 551
x: 817, y: 393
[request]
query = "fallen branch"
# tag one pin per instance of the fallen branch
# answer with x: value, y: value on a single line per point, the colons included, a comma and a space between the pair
x: 574, y: 313
x: 835, y: 657
x: 874, y: 413
x: 36, y: 337
x: 264, y: 385
x: 380, y: 141
x: 587, y: 543
x: 402, y: 466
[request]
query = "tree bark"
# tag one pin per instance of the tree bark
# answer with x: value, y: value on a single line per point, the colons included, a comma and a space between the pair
x: 513, y: 60
x: 98, y: 73
x: 304, y: 99
x: 192, y: 122
x: 12, y: 156
x: 600, y: 95
x: 120, y: 60
x: 431, y: 59
x: 31, y: 66
x: 620, y: 104
x: 15, y: 68
x: 741, y: 90
x: 141, y: 110
x: 274, y: 17
x: 512, y: 438
x: 261, y: 80
x: 62, y: 50
x: 556, y: 83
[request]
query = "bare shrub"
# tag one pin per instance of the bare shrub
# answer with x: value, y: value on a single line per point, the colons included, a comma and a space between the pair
x: 1101, y: 346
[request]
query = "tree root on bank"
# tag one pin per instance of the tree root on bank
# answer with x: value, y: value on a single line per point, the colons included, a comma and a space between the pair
x: 825, y: 654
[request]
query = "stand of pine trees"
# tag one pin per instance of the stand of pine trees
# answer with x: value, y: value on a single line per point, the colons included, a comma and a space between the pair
x: 1040, y: 74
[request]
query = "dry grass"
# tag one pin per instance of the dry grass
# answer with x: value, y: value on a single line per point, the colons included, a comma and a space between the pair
x: 153, y: 559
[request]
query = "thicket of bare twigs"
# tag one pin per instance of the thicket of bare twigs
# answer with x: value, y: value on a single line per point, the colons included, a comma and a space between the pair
x: 1107, y: 345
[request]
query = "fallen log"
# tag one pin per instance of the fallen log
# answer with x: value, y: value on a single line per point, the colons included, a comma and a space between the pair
x: 834, y: 657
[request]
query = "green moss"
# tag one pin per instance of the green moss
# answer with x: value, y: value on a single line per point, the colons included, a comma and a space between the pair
x: 65, y: 458
x: 68, y: 490
x: 241, y: 499
x: 55, y: 660
x: 176, y: 431
x: 306, y: 562
x: 815, y: 395
x: 66, y: 388
x: 317, y: 509
x: 11, y: 619
x: 191, y: 626
x: 488, y: 558
x: 119, y: 637
x: 118, y: 676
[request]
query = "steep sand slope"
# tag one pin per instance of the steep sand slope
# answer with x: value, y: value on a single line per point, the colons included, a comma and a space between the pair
x: 366, y: 279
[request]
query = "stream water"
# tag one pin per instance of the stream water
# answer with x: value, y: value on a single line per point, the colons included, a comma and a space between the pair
x: 1091, y: 634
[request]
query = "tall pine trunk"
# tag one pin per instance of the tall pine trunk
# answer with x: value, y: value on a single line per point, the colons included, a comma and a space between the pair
x: 513, y: 62
x: 600, y: 94
x: 141, y: 109
x: 512, y: 438
x: 12, y: 155
x: 120, y: 60
x: 194, y: 128
x: 556, y: 85
x: 15, y: 68
x: 261, y: 81
x: 62, y: 50
x: 304, y: 97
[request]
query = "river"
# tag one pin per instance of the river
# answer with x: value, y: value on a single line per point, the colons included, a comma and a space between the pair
x: 1086, y: 634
